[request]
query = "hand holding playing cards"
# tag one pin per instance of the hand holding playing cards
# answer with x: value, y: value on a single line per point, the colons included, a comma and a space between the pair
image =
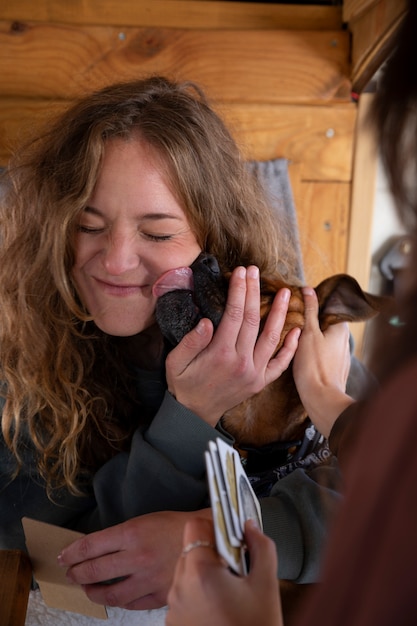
x: 206, y: 592
x: 213, y: 583
x: 233, y: 502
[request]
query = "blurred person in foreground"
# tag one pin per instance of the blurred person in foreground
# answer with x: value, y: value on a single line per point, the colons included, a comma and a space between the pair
x: 368, y: 575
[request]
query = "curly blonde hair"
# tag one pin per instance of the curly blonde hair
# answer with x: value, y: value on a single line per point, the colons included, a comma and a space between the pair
x: 54, y: 386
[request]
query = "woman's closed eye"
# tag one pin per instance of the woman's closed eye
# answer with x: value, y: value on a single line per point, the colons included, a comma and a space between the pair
x: 93, y: 230
x: 89, y: 229
x: 156, y: 238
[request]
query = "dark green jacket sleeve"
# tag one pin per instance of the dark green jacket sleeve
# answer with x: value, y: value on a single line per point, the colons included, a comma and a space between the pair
x: 296, y: 516
x: 164, y: 469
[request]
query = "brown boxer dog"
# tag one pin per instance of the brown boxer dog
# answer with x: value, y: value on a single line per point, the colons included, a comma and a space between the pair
x: 270, y: 428
x: 187, y: 294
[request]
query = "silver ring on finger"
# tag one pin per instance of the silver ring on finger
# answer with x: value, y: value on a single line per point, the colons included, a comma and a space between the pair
x: 197, y: 544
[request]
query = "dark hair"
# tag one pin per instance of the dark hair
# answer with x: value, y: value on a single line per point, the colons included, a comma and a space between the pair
x: 394, y: 116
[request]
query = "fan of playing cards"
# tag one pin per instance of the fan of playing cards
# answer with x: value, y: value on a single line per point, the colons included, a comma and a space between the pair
x: 233, y: 502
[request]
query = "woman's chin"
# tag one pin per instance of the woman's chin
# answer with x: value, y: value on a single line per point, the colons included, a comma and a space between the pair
x: 121, y: 327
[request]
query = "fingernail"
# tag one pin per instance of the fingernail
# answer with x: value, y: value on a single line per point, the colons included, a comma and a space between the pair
x: 308, y: 291
x: 241, y: 272
x: 60, y: 561
x: 253, y: 271
x: 200, y: 328
x: 285, y: 294
x: 253, y: 524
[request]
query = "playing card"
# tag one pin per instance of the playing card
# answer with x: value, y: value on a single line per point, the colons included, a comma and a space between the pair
x: 229, y: 505
x: 243, y: 502
x: 248, y: 503
x: 233, y: 502
x: 231, y: 554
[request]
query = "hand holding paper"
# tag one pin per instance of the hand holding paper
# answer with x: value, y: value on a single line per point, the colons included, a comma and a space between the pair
x: 44, y: 542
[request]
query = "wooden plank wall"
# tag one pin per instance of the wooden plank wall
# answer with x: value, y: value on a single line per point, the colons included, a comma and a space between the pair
x: 280, y: 74
x: 372, y: 24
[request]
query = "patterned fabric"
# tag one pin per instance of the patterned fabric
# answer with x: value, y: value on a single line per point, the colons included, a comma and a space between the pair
x: 312, y: 451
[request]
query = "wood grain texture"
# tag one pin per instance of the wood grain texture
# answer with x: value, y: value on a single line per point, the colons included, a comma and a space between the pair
x: 21, y: 118
x: 175, y: 14
x: 15, y: 582
x: 373, y: 32
x: 323, y: 220
x: 353, y: 8
x: 318, y: 138
x: 358, y: 262
x: 62, y: 61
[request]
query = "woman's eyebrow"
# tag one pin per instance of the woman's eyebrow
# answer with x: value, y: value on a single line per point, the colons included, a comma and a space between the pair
x: 159, y: 216
x: 93, y: 211
x: 146, y: 216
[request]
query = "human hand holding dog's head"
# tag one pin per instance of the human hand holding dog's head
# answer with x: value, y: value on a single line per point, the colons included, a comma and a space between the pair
x: 321, y: 366
x: 211, y: 373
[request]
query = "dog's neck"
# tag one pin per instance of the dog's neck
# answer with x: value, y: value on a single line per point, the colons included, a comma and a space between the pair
x: 274, y: 414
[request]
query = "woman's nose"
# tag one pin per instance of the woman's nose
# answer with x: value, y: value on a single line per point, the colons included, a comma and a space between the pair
x: 121, y: 254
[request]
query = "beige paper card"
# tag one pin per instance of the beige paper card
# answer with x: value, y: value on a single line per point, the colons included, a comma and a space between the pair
x: 44, y: 542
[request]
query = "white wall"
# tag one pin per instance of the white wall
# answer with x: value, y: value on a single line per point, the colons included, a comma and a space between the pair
x: 385, y: 225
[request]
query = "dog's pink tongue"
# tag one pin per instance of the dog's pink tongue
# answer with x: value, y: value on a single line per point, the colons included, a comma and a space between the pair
x: 179, y: 278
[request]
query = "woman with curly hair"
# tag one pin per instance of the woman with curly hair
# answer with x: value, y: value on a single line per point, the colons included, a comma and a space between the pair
x: 101, y: 430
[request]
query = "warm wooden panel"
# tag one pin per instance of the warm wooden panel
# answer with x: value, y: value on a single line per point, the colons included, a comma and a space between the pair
x: 370, y: 27
x: 353, y: 8
x: 174, y: 14
x: 323, y: 220
x: 320, y: 139
x: 43, y: 60
x: 362, y: 208
x: 15, y: 581
x: 363, y: 191
x: 372, y: 38
x: 20, y: 118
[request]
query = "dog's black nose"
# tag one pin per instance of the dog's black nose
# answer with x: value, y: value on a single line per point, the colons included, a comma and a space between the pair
x: 210, y: 262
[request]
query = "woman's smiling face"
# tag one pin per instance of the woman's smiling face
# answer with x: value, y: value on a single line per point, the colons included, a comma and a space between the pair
x: 132, y: 231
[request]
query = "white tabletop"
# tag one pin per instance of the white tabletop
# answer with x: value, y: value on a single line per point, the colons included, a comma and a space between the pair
x: 38, y: 614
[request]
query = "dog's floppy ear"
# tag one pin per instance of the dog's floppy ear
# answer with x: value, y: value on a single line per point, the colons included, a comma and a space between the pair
x: 341, y: 299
